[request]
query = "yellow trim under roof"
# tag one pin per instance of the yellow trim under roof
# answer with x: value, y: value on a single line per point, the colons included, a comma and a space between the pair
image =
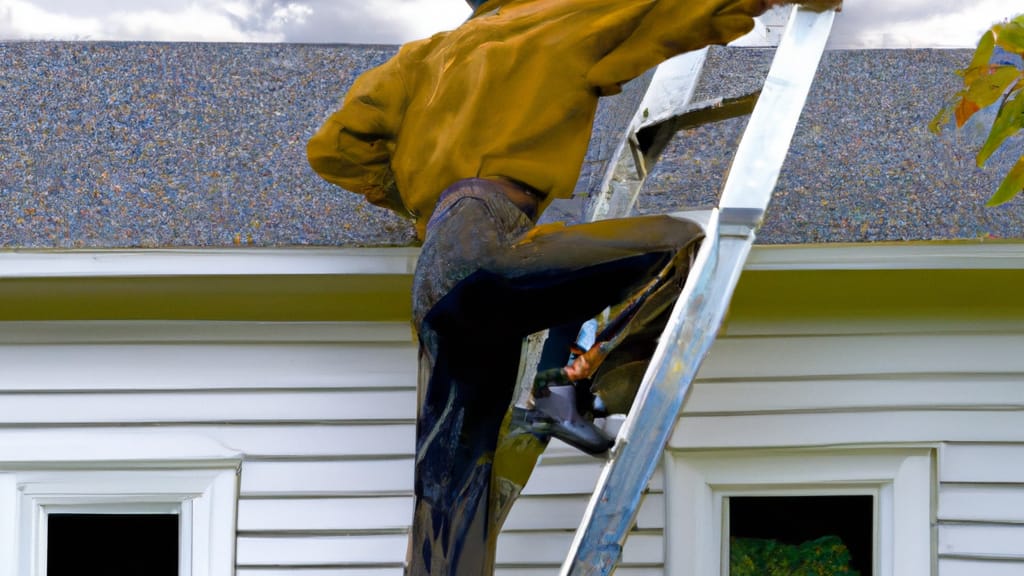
x: 295, y: 298
x: 968, y: 279
x: 948, y: 293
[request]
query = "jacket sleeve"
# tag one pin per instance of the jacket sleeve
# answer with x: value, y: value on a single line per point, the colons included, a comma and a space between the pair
x: 670, y: 28
x: 354, y: 146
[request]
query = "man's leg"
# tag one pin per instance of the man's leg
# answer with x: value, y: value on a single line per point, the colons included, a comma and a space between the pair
x: 472, y: 337
x: 520, y: 442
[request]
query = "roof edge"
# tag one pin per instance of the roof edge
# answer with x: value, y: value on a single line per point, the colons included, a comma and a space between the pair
x: 138, y: 263
x: 306, y: 261
x: 923, y: 255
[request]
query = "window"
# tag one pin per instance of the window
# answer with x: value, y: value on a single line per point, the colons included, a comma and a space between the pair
x: 199, y: 504
x: 833, y: 533
x: 178, y: 490
x: 878, y: 502
x: 112, y: 541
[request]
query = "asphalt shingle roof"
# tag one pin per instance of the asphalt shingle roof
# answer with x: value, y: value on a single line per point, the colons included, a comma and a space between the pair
x: 165, y: 145
x: 862, y: 166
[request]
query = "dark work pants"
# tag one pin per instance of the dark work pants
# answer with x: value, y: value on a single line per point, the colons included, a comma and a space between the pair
x: 479, y: 289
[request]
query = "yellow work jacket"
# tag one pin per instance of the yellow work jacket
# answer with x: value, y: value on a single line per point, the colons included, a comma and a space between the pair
x: 511, y: 93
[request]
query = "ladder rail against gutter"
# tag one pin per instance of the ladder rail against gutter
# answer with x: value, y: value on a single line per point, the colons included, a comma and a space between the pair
x: 697, y: 316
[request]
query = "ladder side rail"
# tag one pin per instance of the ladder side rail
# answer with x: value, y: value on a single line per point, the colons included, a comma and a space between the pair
x: 762, y: 150
x: 698, y: 313
x: 597, y: 546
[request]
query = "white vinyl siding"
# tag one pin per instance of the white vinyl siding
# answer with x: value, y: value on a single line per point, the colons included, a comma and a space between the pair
x: 323, y: 415
x: 918, y: 382
x: 324, y: 418
x: 981, y: 508
x: 543, y: 522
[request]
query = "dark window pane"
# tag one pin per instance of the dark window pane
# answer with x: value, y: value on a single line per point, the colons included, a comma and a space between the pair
x: 787, y: 525
x: 112, y: 544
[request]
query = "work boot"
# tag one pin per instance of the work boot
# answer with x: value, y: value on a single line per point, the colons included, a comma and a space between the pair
x: 557, y: 411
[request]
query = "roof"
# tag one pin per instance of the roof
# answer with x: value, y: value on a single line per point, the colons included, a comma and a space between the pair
x: 110, y: 145
x: 862, y: 166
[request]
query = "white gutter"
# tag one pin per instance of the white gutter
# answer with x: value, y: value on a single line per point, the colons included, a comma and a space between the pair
x: 141, y: 263
x: 206, y: 262
x: 966, y: 255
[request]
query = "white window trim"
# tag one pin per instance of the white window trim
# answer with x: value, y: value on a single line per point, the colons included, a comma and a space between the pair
x: 902, y: 479
x: 122, y: 473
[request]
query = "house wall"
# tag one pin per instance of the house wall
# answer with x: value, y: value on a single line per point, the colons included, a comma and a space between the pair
x: 322, y: 414
x: 948, y: 381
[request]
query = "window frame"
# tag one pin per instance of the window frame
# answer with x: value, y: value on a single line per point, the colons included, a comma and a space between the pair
x: 203, y: 498
x: 191, y: 475
x: 698, y: 484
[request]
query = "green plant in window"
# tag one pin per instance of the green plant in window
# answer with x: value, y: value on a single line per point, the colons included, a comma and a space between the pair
x: 995, y: 75
x: 826, y: 556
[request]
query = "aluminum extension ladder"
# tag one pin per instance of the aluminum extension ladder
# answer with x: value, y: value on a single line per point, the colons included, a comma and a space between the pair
x: 697, y: 316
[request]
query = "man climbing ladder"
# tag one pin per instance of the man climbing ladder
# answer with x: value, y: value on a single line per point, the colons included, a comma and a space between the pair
x: 472, y: 133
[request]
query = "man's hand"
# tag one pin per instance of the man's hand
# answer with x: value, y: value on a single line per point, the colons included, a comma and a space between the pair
x: 816, y: 5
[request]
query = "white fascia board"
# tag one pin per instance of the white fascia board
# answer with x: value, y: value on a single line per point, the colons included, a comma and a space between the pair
x: 206, y: 262
x: 968, y: 255
x: 140, y: 263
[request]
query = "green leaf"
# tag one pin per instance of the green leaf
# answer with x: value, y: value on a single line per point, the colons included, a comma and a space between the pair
x: 1011, y: 186
x: 941, y: 119
x: 979, y: 63
x: 987, y: 89
x: 1008, y: 122
x: 983, y: 92
x: 944, y: 114
x: 1010, y: 36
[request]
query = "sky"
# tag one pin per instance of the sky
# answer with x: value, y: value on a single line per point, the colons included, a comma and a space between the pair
x: 862, y: 24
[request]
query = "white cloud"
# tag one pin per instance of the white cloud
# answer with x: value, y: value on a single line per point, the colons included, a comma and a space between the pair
x: 159, y: 20
x: 23, y: 19
x: 918, y: 23
x: 191, y: 23
x: 422, y: 18
x: 242, y: 10
x: 862, y: 24
x: 288, y: 14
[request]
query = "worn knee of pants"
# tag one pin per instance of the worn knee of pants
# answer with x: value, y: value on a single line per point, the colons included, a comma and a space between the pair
x: 473, y: 289
x: 495, y: 286
x: 478, y: 291
x: 476, y: 228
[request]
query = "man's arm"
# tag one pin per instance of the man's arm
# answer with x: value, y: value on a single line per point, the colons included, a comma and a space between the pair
x: 353, y: 148
x: 673, y: 27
